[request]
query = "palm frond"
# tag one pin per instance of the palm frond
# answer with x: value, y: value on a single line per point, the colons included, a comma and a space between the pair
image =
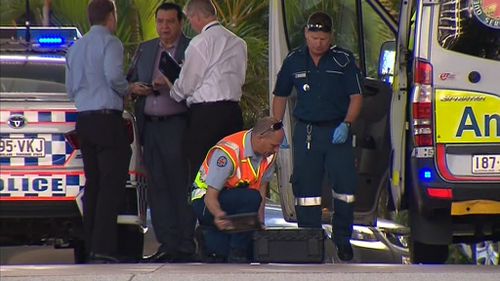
x: 72, y: 13
x: 13, y: 12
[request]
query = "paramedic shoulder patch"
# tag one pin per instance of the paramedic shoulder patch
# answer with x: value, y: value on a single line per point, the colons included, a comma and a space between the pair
x: 222, y: 161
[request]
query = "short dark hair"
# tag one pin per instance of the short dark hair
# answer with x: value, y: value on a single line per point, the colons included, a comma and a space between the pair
x: 319, y: 21
x: 166, y: 6
x: 99, y: 10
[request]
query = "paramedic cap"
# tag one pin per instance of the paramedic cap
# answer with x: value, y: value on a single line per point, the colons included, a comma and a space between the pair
x: 319, y: 21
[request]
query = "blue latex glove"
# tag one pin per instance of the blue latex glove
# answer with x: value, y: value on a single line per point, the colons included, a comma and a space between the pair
x: 340, y: 134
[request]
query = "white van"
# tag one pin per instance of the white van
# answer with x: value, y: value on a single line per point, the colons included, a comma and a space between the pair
x: 445, y: 123
x: 428, y: 136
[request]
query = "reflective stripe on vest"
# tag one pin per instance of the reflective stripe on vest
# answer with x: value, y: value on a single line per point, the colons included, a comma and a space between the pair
x: 198, y: 193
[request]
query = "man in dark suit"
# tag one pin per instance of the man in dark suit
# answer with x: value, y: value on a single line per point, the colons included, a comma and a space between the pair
x: 162, y: 124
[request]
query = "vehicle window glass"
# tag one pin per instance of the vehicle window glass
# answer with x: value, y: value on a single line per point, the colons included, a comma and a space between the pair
x: 471, y: 27
x: 376, y: 32
x: 343, y: 14
x: 37, y: 78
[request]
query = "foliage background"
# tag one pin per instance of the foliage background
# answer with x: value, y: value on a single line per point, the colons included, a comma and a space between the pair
x: 136, y: 23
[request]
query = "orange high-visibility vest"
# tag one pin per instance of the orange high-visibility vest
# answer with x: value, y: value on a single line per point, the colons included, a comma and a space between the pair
x: 243, y: 171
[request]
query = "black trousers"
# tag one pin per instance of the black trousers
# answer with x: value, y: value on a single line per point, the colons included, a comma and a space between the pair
x: 168, y: 189
x: 232, y: 201
x: 209, y: 123
x: 106, y: 156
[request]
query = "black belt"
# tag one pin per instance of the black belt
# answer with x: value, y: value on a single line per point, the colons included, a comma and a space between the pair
x: 152, y: 118
x: 101, y: 111
x: 209, y: 103
x: 328, y: 123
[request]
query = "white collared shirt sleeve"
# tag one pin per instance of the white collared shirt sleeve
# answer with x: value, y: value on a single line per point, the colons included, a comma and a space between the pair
x: 214, y: 69
x: 191, y: 76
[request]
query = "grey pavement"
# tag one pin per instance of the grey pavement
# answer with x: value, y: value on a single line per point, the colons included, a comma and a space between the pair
x: 261, y: 272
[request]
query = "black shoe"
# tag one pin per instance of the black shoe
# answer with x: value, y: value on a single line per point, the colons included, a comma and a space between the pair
x: 158, y: 257
x: 102, y: 259
x: 237, y: 256
x: 344, y: 251
x: 214, y: 258
x: 183, y: 257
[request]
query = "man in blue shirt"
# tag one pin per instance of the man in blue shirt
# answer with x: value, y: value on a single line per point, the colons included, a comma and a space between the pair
x: 328, y: 101
x: 95, y: 81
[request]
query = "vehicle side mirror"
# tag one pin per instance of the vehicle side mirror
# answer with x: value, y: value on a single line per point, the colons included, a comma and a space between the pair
x: 387, y: 61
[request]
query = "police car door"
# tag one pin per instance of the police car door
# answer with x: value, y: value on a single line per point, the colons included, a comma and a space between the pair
x: 362, y: 27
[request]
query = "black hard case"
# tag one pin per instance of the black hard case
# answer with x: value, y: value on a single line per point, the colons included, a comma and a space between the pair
x: 296, y: 245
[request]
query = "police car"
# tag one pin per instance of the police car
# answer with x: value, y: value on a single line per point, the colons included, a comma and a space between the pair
x: 41, y: 167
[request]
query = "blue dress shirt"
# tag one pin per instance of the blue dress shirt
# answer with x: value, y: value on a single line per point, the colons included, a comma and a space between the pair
x: 94, y: 71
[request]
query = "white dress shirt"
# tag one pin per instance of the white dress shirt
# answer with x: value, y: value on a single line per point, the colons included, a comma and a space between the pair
x: 214, y: 67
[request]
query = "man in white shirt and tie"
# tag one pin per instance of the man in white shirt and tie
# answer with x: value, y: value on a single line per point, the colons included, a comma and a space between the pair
x: 210, y: 82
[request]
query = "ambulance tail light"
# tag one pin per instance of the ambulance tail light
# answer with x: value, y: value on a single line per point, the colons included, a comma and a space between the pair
x: 440, y: 193
x: 423, y: 73
x: 72, y: 139
x: 422, y: 105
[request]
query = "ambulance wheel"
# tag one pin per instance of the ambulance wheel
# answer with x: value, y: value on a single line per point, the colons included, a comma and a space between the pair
x: 428, y: 254
x: 130, y: 242
x: 79, y: 254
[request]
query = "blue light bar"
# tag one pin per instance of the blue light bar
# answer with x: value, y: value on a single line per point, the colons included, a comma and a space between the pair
x: 50, y: 40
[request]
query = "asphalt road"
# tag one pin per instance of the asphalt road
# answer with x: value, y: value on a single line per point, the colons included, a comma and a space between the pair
x: 268, y: 272
x: 32, y: 255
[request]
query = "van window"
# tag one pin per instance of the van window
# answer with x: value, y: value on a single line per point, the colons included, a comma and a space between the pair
x: 343, y: 14
x: 346, y: 23
x: 471, y: 27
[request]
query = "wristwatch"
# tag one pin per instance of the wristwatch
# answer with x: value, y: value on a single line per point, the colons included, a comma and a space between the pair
x: 348, y: 124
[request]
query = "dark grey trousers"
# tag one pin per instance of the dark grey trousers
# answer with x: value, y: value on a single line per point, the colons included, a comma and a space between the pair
x: 168, y: 188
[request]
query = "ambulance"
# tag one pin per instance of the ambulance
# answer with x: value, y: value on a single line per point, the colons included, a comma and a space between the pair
x: 41, y: 169
x: 445, y: 124
x: 428, y: 137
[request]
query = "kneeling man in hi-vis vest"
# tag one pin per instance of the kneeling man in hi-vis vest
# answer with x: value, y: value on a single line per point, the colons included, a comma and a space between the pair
x: 233, y: 180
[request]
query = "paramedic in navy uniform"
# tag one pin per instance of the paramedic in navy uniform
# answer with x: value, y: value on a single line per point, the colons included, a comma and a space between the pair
x: 328, y: 102
x: 96, y: 82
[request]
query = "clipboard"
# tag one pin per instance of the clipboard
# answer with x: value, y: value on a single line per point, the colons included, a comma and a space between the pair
x: 243, y: 222
x: 169, y: 67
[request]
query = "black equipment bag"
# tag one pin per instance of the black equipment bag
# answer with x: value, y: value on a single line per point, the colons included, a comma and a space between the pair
x: 289, y: 245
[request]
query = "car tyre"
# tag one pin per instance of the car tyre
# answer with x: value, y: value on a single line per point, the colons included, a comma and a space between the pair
x: 79, y: 253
